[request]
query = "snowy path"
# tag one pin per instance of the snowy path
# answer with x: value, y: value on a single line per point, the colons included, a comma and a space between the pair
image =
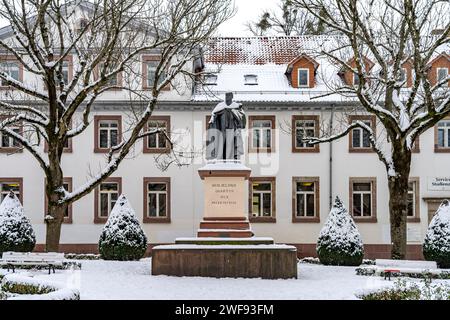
x: 132, y: 280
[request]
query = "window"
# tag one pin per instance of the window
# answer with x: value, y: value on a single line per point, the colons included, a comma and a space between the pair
x: 106, y: 196
x: 149, y: 66
x: 413, y: 200
x: 262, y: 133
x: 403, y: 75
x: 304, y: 126
x: 262, y: 199
x: 11, y: 184
x: 355, y: 79
x: 363, y: 199
x: 113, y: 80
x: 64, y: 72
x: 108, y: 132
x: 303, y: 77
x: 359, y: 138
x: 8, y: 142
x: 442, y: 136
x: 11, y: 68
x: 157, y: 143
x: 157, y: 200
x: 210, y: 79
x: 305, y: 204
x: 442, y: 74
x: 251, y: 79
x: 67, y: 184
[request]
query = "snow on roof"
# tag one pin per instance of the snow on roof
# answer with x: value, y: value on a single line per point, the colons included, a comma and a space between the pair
x: 261, y: 50
x: 231, y: 59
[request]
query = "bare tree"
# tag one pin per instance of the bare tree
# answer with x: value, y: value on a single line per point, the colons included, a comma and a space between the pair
x: 288, y: 19
x: 396, y: 36
x: 106, y: 39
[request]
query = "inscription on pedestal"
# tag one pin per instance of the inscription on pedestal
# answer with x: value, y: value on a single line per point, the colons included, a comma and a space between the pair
x: 225, y: 197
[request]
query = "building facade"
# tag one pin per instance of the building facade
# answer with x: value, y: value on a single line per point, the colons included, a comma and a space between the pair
x: 281, y: 84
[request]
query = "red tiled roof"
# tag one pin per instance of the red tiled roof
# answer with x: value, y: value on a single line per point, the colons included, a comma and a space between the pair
x: 259, y: 50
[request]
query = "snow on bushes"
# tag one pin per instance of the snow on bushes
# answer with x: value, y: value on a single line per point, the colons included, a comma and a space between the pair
x: 122, y: 237
x: 436, y: 246
x: 16, y: 232
x: 339, y: 241
x: 24, y: 287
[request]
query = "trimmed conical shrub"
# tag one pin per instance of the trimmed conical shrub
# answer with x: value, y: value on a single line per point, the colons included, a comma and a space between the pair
x: 436, y: 246
x: 339, y: 241
x: 16, y: 232
x: 122, y: 237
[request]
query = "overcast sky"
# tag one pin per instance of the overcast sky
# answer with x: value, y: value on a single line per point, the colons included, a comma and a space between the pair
x: 246, y: 10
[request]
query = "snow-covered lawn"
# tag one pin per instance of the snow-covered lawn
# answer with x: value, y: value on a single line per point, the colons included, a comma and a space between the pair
x: 100, y: 279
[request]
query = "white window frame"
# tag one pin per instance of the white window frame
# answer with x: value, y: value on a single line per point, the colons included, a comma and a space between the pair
x: 4, y: 193
x: 7, y: 70
x: 261, y: 204
x: 437, y: 76
x: 307, y: 78
x: 354, y: 77
x: 305, y: 203
x: 302, y: 128
x: 361, y: 195
x: 109, y: 129
x: 413, y: 192
x: 361, y: 132
x: 405, y: 80
x: 262, y: 134
x: 250, y: 79
x: 157, y: 193
x: 158, y: 134
x: 446, y: 130
x: 10, y: 139
x: 110, y: 201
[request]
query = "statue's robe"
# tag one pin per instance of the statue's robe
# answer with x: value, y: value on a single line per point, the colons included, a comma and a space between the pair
x: 224, y: 138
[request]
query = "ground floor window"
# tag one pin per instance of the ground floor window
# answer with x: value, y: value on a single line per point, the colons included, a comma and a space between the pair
x: 8, y: 185
x: 306, y: 199
x: 106, y: 196
x: 262, y: 199
x: 413, y: 200
x: 157, y: 200
x: 363, y: 199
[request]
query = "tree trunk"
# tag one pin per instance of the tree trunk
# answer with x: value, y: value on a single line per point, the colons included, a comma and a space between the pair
x: 398, y: 203
x: 54, y: 227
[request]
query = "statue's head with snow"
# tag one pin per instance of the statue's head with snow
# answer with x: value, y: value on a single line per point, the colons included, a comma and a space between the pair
x: 224, y: 141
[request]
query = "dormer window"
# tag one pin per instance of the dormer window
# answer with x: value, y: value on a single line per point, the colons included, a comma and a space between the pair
x: 251, y: 79
x: 442, y: 74
x: 356, y: 79
x: 403, y: 74
x: 303, y: 77
x: 210, y: 79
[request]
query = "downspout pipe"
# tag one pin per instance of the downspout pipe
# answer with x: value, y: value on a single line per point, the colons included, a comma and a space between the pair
x: 331, y: 158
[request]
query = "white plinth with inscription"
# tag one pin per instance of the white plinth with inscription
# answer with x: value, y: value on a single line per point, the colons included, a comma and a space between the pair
x: 225, y: 189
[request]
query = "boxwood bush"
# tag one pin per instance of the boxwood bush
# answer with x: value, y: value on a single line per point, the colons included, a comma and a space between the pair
x: 436, y: 246
x: 339, y: 240
x: 122, y: 237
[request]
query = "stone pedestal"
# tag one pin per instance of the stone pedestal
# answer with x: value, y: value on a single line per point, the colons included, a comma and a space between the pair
x: 225, y: 200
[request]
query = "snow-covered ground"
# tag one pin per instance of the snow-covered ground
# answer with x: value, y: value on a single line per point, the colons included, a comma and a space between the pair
x: 100, y: 279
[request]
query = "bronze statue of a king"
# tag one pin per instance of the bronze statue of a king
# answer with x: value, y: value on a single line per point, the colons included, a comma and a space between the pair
x: 224, y: 137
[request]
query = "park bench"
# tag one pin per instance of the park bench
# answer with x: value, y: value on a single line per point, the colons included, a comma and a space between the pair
x: 390, y: 267
x: 50, y: 259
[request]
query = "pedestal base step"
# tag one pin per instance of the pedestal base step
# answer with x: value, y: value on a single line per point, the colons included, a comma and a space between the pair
x: 230, y: 241
x: 247, y: 261
x: 225, y: 233
x: 223, y: 224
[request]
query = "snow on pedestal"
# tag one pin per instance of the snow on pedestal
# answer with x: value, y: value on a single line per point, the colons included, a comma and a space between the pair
x: 436, y: 246
x: 16, y: 232
x: 122, y: 237
x: 339, y: 241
